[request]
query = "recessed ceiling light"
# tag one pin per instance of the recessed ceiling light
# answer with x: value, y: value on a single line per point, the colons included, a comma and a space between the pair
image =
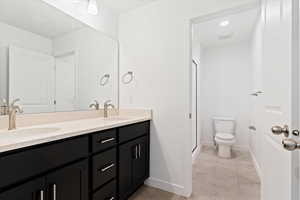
x: 224, y: 23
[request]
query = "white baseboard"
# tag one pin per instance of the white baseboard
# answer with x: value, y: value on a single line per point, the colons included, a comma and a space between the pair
x: 166, y: 186
x: 257, y: 167
x: 196, y: 154
x: 240, y: 148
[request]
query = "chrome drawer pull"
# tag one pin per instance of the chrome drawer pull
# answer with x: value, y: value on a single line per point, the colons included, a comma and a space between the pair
x: 42, y: 195
x: 54, y: 191
x: 108, y: 140
x: 107, y: 168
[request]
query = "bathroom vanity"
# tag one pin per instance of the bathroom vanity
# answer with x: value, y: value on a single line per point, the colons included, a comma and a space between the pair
x: 105, y: 164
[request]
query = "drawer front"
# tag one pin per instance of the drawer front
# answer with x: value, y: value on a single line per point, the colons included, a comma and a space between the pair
x: 19, y: 166
x: 104, y: 140
x: 133, y: 131
x: 104, y: 167
x: 108, y: 192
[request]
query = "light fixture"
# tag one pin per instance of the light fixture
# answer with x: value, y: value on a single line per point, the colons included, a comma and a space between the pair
x: 224, y: 23
x: 92, y: 7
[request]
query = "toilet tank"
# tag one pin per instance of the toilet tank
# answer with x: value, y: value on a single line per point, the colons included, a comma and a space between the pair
x: 224, y: 125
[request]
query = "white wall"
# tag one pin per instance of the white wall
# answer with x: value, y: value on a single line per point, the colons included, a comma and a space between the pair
x: 11, y: 35
x: 96, y: 55
x: 226, y: 85
x: 155, y: 45
x: 106, y: 21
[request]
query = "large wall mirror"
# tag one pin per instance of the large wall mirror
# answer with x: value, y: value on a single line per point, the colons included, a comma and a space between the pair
x: 51, y: 61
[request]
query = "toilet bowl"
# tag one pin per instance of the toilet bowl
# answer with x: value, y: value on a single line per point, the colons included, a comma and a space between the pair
x: 224, y: 135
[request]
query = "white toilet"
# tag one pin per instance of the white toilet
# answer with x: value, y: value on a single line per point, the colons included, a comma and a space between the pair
x: 224, y: 135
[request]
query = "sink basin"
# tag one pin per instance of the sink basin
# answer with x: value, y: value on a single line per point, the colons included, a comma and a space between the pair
x: 34, y: 130
x: 116, y: 118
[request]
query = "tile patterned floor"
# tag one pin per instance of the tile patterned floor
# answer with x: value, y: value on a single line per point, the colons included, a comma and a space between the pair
x: 215, y: 179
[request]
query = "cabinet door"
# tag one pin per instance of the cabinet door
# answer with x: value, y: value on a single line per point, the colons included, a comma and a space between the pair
x: 69, y: 183
x: 126, y: 155
x: 33, y: 190
x: 133, y: 165
x: 140, y: 166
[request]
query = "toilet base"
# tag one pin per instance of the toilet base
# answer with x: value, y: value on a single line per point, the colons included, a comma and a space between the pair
x: 224, y: 151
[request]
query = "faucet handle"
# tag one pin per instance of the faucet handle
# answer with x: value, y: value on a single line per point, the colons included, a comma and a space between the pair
x: 14, y: 101
x: 107, y: 102
x: 4, y: 102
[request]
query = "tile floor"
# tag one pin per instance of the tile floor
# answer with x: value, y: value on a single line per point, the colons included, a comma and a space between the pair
x: 215, y: 179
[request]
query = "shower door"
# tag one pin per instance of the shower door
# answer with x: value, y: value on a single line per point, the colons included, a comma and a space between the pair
x: 194, y: 106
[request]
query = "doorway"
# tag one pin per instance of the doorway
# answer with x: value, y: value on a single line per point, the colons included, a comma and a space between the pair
x: 66, y: 86
x: 224, y: 45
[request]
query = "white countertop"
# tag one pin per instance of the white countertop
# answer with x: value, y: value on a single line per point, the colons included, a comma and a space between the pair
x: 29, y: 136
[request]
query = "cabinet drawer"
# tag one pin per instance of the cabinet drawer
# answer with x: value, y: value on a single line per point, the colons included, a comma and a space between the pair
x: 104, y: 140
x: 19, y: 166
x: 108, y: 192
x: 133, y: 131
x: 104, y: 167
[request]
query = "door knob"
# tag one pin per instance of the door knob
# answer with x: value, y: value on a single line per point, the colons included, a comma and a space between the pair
x: 277, y: 130
x: 290, y: 144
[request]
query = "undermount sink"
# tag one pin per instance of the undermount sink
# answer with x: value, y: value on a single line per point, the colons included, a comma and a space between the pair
x: 116, y: 118
x: 35, y: 130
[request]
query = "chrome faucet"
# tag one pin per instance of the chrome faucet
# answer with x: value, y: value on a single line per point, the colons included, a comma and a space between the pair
x: 13, y: 109
x: 107, y: 104
x: 95, y: 105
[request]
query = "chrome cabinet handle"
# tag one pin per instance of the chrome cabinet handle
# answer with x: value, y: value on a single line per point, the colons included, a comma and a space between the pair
x: 107, y: 168
x: 136, y: 152
x: 54, y: 191
x: 42, y: 195
x: 139, y: 150
x: 107, y: 140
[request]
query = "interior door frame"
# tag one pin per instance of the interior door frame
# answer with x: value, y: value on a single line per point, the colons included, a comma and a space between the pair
x: 295, y: 190
x: 295, y: 122
x: 62, y: 54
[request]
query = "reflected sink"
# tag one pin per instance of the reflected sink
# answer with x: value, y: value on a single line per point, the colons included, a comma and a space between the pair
x: 35, y: 130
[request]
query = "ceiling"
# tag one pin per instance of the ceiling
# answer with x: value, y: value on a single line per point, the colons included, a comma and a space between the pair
x: 37, y: 17
x: 240, y: 28
x: 124, y: 5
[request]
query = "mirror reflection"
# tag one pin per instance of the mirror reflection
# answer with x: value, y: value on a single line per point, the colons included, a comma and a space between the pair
x: 51, y: 62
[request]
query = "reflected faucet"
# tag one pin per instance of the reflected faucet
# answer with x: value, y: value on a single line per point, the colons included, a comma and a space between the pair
x: 13, y: 109
x: 4, y: 107
x: 95, y: 105
x: 107, y: 104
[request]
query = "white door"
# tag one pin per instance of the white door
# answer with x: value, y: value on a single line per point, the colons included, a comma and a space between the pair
x: 277, y: 99
x: 31, y: 78
x: 65, y: 83
x: 194, y: 106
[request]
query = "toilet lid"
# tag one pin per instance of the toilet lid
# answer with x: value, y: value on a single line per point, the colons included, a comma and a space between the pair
x: 225, y: 136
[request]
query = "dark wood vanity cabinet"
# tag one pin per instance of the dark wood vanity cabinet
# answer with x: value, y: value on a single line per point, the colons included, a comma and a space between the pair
x: 133, y: 165
x: 67, y: 183
x: 32, y: 190
x: 105, y: 165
